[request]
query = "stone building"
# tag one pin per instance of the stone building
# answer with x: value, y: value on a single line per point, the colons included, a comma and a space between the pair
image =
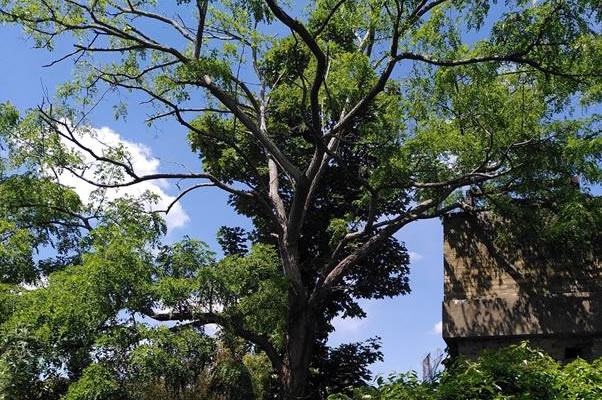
x: 493, y: 298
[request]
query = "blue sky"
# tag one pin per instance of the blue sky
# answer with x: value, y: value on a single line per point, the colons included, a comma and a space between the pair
x: 407, y: 324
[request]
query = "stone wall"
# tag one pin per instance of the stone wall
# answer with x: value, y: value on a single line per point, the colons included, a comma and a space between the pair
x: 560, y: 348
x: 476, y: 268
x: 494, y: 297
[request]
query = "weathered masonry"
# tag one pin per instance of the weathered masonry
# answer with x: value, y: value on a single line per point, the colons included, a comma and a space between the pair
x: 493, y: 299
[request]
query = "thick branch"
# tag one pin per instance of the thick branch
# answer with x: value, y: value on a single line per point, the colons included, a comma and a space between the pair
x: 259, y: 134
x: 332, y: 276
x: 212, y: 318
x: 202, y: 8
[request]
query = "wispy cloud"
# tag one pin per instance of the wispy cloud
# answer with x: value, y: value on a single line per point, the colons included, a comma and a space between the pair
x: 414, y: 257
x: 347, y: 325
x: 438, y: 328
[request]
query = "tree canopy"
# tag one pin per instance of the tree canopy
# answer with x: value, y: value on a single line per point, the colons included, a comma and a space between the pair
x: 331, y: 125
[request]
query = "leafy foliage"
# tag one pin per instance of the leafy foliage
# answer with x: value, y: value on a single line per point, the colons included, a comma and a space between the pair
x: 518, y: 372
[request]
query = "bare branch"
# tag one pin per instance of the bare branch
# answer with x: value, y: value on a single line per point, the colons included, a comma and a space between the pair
x: 202, y: 8
x: 184, y: 110
x: 156, y: 17
x: 379, y: 86
x: 184, y: 193
x: 328, y: 18
x: 468, y: 179
x: 85, y: 221
x: 135, y: 178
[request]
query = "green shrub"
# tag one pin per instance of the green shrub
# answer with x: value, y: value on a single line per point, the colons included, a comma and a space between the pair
x: 515, y: 373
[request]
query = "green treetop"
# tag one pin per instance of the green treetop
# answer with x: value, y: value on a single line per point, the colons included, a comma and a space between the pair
x: 332, y: 129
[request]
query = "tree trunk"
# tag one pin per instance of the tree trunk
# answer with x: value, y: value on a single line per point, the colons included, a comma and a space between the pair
x: 294, y: 373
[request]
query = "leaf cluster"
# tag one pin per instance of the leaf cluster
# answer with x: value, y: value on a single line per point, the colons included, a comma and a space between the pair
x: 517, y: 372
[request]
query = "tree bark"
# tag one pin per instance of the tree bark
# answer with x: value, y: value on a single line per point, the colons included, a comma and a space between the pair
x: 294, y: 373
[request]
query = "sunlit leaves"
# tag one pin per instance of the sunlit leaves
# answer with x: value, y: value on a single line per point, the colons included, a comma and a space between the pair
x: 175, y: 357
x: 16, y: 259
x: 516, y: 372
x: 253, y: 289
x: 98, y: 382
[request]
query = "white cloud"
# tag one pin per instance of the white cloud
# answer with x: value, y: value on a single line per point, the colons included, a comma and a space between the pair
x: 414, y: 257
x: 143, y: 163
x: 347, y: 325
x: 438, y: 328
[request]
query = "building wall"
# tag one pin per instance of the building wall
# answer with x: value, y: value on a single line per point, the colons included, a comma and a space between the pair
x: 475, y: 267
x: 495, y: 297
x: 556, y: 346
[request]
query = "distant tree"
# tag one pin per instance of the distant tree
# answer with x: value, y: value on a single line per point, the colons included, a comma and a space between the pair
x: 331, y: 128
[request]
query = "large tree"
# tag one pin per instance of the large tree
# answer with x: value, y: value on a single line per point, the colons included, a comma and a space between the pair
x: 331, y: 127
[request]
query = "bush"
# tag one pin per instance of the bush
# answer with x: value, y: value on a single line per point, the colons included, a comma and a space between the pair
x: 516, y: 373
